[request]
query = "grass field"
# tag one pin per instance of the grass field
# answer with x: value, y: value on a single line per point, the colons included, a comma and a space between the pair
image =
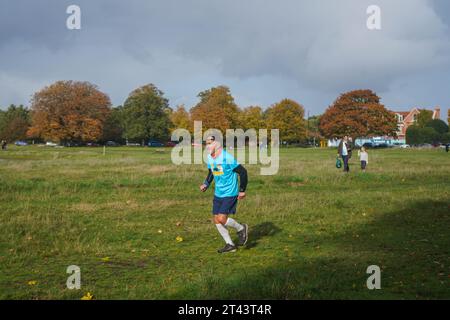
x: 313, y: 230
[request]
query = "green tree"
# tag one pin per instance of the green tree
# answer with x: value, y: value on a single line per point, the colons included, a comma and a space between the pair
x: 437, y: 124
x: 14, y: 123
x: 413, y: 135
x: 113, y: 126
x: 416, y: 135
x: 313, y: 128
x: 445, y: 138
x: 145, y: 115
x: 430, y: 135
x: 424, y: 117
x: 287, y: 116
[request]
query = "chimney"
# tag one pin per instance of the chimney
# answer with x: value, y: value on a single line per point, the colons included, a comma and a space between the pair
x: 437, y: 113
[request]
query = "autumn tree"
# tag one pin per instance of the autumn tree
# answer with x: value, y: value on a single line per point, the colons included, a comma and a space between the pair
x: 146, y: 114
x: 69, y: 111
x: 287, y: 116
x: 180, y: 118
x: 216, y: 109
x: 252, y: 118
x: 358, y: 114
x: 14, y: 123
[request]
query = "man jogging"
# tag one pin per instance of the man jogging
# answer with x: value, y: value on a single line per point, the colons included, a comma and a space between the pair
x: 223, y: 169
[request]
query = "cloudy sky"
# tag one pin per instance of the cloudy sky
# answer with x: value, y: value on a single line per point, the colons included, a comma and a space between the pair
x: 264, y: 50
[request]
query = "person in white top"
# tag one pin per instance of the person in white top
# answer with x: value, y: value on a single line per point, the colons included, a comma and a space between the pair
x: 345, y: 152
x: 364, y: 158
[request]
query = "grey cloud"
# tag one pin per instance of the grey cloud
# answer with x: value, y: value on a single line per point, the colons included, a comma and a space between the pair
x: 264, y: 49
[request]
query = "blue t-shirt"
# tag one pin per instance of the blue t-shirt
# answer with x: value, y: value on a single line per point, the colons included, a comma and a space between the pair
x: 226, y: 181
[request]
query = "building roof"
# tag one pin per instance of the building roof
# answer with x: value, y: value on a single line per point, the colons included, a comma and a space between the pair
x: 403, y: 113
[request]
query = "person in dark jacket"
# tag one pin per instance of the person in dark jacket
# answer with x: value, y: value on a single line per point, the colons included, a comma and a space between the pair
x: 345, y: 152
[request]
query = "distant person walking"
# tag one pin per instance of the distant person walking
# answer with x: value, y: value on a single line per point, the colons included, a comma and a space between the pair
x: 364, y: 158
x: 345, y: 152
x: 447, y: 146
x: 4, y: 144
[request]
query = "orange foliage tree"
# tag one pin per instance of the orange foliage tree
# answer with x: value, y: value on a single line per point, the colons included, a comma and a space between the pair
x: 287, y: 116
x: 216, y: 109
x: 252, y: 118
x: 358, y: 113
x: 69, y: 111
x: 180, y: 118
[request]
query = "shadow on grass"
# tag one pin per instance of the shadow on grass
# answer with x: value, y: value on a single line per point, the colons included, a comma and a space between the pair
x: 259, y: 231
x: 411, y: 246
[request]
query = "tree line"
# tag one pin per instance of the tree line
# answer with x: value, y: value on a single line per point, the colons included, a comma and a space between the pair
x: 78, y: 112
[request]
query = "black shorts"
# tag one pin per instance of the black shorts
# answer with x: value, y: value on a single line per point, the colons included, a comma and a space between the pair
x: 363, y: 164
x: 226, y: 205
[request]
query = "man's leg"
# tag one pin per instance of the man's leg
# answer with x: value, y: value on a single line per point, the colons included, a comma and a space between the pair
x: 220, y: 220
x: 234, y: 224
x: 242, y: 230
x: 345, y: 158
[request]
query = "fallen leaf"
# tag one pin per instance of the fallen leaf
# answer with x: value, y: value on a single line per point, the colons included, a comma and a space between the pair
x: 87, y: 296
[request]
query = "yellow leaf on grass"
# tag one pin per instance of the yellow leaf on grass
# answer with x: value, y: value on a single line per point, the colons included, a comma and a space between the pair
x: 32, y: 282
x: 87, y: 296
x: 179, y: 239
x: 105, y: 259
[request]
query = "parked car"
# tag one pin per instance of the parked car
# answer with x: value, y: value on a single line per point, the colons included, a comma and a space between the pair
x: 72, y: 144
x: 155, y: 144
x: 51, y: 144
x: 112, y: 144
x: 368, y: 145
x: 21, y: 143
x: 132, y: 144
x: 425, y: 146
x: 405, y: 146
x: 170, y: 144
x: 381, y: 146
x: 92, y: 144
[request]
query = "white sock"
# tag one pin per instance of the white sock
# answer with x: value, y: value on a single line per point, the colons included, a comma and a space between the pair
x: 234, y: 224
x: 224, y: 233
